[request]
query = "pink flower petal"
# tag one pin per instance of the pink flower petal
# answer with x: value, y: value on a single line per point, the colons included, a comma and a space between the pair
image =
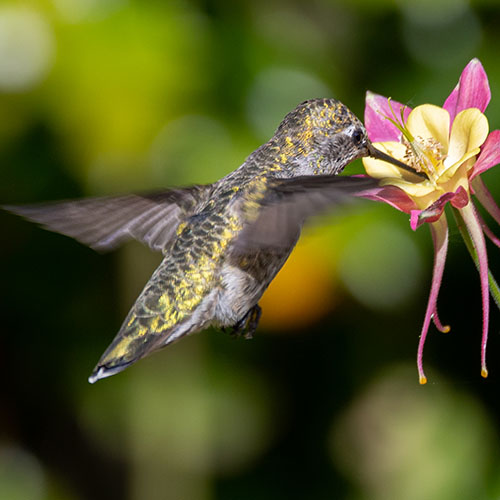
x: 485, y: 198
x: 472, y: 90
x: 377, y: 108
x: 487, y: 231
x: 489, y: 156
x: 475, y: 230
x: 391, y: 195
x: 439, y: 231
x: 414, y: 222
x: 432, y: 213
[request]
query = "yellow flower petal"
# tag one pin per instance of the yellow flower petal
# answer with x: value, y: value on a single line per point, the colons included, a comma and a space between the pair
x: 430, y: 122
x: 450, y: 172
x: 380, y: 169
x: 412, y: 189
x: 450, y: 185
x: 468, y: 132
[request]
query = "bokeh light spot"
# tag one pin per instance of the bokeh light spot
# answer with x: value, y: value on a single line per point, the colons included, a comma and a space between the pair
x: 275, y: 92
x: 26, y: 48
x: 189, y: 417
x: 381, y: 266
x: 192, y: 149
x: 440, y: 34
x: 21, y: 476
x: 400, y: 440
x: 433, y: 11
x: 75, y: 11
x: 303, y: 291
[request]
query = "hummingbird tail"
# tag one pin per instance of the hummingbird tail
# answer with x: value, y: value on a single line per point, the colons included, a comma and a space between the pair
x: 104, y: 372
x: 137, y: 337
x: 140, y: 335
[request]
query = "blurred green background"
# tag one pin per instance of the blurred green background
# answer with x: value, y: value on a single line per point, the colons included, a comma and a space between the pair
x: 108, y: 96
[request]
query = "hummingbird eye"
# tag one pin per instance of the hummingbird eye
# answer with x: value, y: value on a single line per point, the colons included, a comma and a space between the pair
x: 357, y: 136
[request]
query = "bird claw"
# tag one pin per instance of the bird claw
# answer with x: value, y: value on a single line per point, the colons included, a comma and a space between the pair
x: 247, y: 325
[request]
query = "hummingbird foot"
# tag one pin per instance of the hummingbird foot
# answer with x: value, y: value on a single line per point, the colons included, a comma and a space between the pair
x: 247, y: 325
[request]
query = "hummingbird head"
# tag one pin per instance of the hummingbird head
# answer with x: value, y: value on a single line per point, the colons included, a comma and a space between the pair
x: 322, y: 136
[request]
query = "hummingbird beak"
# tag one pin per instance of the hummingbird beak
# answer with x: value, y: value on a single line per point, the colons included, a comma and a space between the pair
x: 379, y: 155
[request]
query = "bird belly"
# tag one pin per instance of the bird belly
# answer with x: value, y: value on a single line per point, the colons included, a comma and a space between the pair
x: 238, y: 293
x: 243, y: 281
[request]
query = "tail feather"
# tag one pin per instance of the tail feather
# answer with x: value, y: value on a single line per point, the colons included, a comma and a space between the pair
x: 101, y: 372
x: 137, y: 337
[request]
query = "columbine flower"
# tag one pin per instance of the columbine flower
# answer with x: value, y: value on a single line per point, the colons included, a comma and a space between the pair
x: 451, y: 147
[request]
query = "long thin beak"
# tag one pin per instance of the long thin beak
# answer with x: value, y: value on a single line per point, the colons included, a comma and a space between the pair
x: 379, y: 155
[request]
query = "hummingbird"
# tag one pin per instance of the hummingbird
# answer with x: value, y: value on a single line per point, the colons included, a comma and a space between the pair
x: 222, y: 243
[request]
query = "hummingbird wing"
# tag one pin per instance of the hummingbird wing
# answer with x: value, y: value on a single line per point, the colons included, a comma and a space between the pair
x: 287, y: 203
x: 104, y: 223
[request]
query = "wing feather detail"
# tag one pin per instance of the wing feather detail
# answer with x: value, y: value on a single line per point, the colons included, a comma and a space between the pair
x: 287, y: 203
x: 104, y: 223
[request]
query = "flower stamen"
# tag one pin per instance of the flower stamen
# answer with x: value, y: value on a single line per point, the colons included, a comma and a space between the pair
x: 425, y: 156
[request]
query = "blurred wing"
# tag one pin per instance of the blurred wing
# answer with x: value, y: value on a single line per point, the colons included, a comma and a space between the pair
x: 106, y: 222
x: 289, y: 202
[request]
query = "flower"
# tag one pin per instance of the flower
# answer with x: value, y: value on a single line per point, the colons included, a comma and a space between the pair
x: 448, y: 148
